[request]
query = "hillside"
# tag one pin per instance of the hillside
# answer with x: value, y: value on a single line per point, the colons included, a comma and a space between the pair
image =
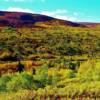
x: 19, y: 40
x: 90, y: 24
x: 18, y: 19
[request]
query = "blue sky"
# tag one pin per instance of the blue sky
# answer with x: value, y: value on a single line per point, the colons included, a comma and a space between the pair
x: 74, y: 10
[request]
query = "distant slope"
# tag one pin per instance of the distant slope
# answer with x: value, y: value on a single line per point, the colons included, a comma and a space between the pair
x: 90, y: 24
x: 19, y: 19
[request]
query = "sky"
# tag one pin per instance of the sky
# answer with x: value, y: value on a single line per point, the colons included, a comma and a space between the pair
x: 72, y: 10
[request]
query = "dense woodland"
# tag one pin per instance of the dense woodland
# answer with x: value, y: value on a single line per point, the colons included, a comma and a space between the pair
x: 56, y: 62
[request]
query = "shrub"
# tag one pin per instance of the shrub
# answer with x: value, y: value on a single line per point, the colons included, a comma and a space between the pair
x: 20, y: 67
x: 20, y: 82
x: 70, y: 74
x: 3, y: 82
x: 90, y: 71
x: 72, y: 66
x: 42, y: 74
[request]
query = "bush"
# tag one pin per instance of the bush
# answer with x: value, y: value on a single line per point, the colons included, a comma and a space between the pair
x: 42, y: 74
x: 20, y: 82
x: 3, y: 82
x: 20, y: 67
x: 71, y: 74
x: 72, y: 66
x: 90, y: 71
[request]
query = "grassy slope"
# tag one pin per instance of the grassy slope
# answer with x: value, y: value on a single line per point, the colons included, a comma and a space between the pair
x: 52, y: 42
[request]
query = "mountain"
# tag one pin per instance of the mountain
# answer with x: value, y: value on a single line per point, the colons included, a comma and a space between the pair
x: 19, y: 19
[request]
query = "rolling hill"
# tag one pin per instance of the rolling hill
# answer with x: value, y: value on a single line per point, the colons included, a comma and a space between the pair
x: 19, y: 19
x: 51, y: 38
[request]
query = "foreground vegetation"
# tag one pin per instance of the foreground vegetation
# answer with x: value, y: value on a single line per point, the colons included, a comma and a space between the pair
x: 54, y: 83
x: 49, y: 63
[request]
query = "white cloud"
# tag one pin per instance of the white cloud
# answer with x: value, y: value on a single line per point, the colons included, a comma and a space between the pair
x: 60, y: 14
x: 19, y: 10
x: 66, y: 18
x: 53, y: 13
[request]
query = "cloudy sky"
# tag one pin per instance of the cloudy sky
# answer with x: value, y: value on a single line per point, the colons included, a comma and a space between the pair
x: 73, y: 10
